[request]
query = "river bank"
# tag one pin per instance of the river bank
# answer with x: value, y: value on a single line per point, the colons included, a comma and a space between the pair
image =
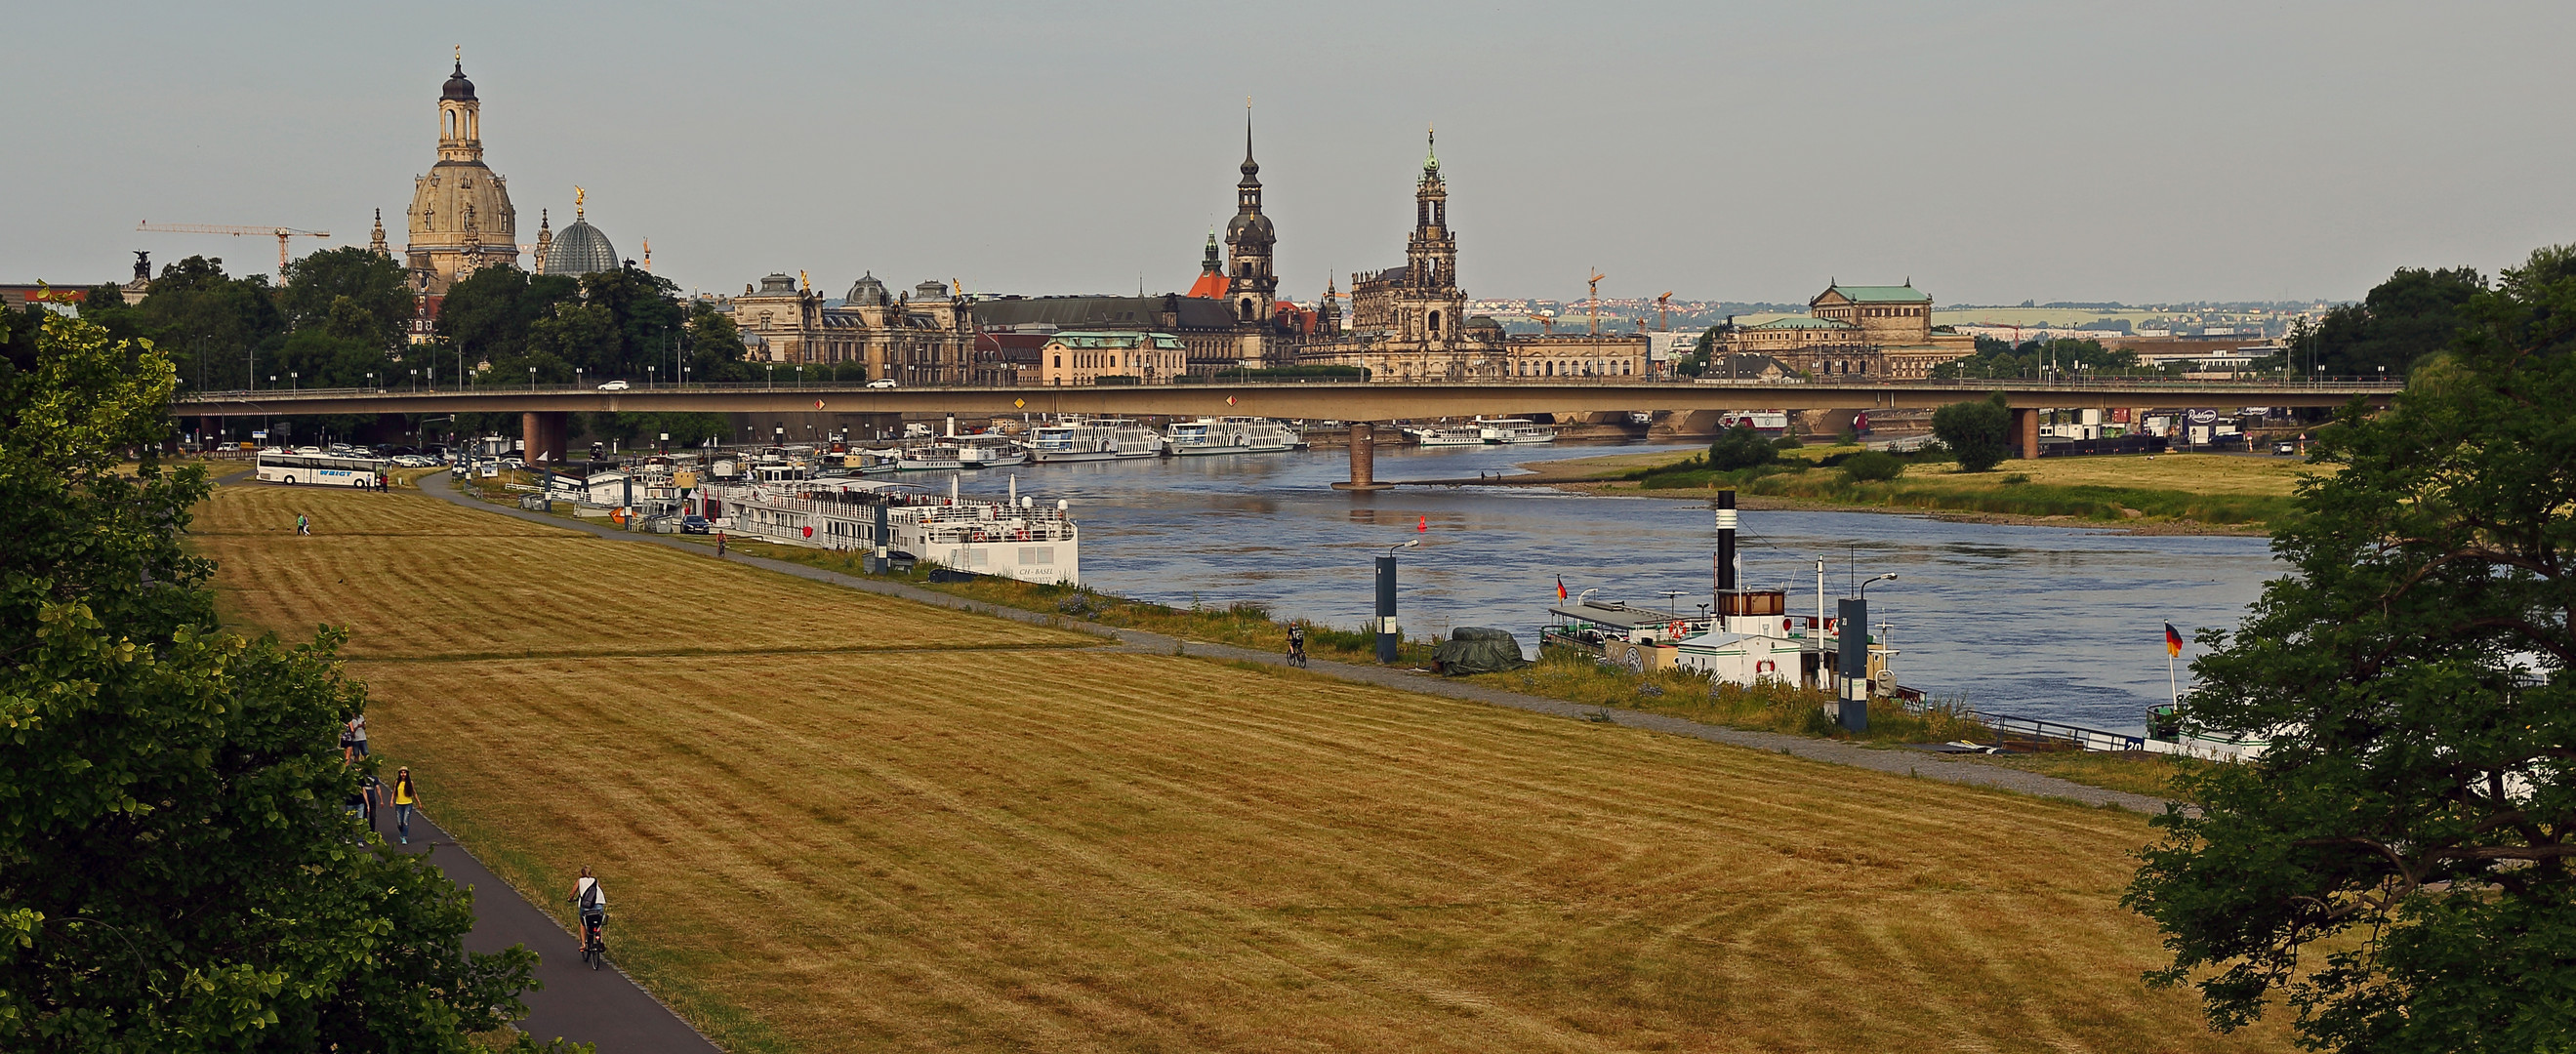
x: 2179, y: 494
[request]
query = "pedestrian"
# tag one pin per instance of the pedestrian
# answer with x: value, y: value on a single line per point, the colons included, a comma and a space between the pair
x: 405, y: 796
x: 373, y: 791
x: 302, y: 525
x: 720, y: 544
x: 348, y: 743
x: 357, y: 739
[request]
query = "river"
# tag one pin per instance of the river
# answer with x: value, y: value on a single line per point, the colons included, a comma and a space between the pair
x: 2065, y: 624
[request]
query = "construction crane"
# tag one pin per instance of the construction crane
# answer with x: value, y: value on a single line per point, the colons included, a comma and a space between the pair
x: 1596, y: 302
x: 280, y: 233
x: 1664, y: 312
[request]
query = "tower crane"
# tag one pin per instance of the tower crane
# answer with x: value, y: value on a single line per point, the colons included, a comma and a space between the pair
x: 280, y: 233
x: 1664, y: 311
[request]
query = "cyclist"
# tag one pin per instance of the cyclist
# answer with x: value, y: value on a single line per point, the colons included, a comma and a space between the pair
x: 592, y: 902
x: 1297, y: 645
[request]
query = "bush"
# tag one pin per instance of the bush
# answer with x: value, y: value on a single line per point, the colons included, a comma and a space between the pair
x: 1979, y: 432
x: 1872, y: 466
x: 1739, y: 448
x: 2016, y: 479
x: 1788, y: 440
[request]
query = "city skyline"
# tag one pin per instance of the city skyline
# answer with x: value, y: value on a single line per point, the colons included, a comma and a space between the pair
x: 2264, y: 156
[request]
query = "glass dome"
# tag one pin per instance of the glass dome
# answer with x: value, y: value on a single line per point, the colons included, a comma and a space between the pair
x: 579, y: 250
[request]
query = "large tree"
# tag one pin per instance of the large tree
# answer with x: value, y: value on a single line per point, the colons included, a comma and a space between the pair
x: 2413, y: 314
x: 1980, y: 432
x: 215, y: 327
x: 2396, y: 866
x: 176, y: 873
x: 350, y: 292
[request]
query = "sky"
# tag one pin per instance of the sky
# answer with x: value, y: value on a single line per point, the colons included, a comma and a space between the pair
x: 1991, y: 152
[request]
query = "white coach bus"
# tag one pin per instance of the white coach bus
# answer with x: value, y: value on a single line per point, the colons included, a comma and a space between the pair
x: 326, y: 469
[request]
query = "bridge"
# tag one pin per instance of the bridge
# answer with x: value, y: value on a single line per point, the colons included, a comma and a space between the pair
x: 544, y: 423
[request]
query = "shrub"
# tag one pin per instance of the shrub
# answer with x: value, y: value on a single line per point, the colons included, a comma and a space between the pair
x: 1872, y: 466
x: 1979, y: 432
x: 2016, y: 479
x: 1788, y: 440
x: 1740, y: 447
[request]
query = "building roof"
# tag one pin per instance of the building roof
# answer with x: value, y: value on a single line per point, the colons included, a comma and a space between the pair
x: 1804, y: 322
x: 1879, y: 294
x: 580, y: 249
x: 1105, y: 312
x: 457, y: 86
x: 1113, y: 339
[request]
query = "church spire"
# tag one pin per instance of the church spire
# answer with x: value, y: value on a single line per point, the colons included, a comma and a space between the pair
x: 376, y: 241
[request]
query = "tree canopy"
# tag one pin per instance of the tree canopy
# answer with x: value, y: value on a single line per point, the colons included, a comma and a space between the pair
x: 1740, y: 447
x: 2413, y: 314
x: 176, y: 873
x: 2396, y: 866
x: 1980, y: 432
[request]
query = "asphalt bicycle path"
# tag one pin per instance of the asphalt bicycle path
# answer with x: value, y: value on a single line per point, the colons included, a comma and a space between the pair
x: 600, y: 1007
x: 1914, y: 763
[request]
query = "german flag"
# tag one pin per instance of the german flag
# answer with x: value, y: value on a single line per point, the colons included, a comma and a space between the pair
x: 1560, y: 589
x: 2173, y: 641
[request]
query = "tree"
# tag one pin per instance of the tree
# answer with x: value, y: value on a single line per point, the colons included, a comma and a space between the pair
x: 351, y: 291
x: 487, y: 315
x: 214, y: 327
x: 2413, y: 314
x: 2396, y: 865
x: 1979, y: 432
x: 175, y: 870
x: 1740, y: 447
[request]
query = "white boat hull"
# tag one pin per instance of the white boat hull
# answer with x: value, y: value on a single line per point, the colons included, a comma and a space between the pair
x: 1514, y: 440
x: 996, y: 461
x: 1200, y: 451
x: 1050, y: 457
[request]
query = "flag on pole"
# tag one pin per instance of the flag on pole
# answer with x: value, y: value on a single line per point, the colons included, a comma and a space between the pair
x: 1560, y: 589
x: 2173, y: 641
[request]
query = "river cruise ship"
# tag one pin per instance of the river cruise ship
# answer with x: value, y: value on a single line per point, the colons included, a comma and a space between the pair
x: 943, y: 456
x: 1450, y: 435
x: 989, y: 451
x: 1230, y: 435
x: 1092, y: 441
x: 1514, y: 430
x: 1020, y: 537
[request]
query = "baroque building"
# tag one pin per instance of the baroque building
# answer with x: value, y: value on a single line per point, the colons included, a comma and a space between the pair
x: 925, y: 336
x: 460, y: 217
x: 1881, y: 331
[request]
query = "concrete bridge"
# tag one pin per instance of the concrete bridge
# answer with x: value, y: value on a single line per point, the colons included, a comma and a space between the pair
x: 544, y: 422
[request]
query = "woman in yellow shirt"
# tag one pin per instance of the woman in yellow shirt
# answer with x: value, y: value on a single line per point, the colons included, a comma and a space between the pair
x: 405, y: 796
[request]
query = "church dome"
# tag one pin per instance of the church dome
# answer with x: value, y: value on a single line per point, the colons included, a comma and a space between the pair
x: 1253, y: 222
x: 867, y: 292
x: 458, y: 87
x: 579, y: 250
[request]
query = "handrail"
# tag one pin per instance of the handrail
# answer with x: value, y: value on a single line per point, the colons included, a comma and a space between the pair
x: 2355, y: 385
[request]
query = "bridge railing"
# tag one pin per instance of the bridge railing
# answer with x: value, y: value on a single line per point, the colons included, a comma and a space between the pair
x: 2162, y: 385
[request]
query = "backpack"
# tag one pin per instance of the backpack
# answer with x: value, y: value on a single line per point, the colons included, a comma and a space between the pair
x: 590, y: 897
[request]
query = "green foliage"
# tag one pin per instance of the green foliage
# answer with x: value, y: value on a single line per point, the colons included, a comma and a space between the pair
x: 351, y: 293
x: 1999, y: 358
x: 1980, y: 433
x: 2396, y: 866
x: 1788, y: 440
x: 2413, y: 314
x: 175, y: 870
x: 1872, y: 466
x: 1740, y: 447
x: 212, y: 326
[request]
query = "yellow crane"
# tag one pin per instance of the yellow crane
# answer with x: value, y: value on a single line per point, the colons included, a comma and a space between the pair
x: 280, y: 233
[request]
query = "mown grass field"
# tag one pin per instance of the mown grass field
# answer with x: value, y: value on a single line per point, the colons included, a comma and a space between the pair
x: 1042, y: 844
x: 2225, y: 490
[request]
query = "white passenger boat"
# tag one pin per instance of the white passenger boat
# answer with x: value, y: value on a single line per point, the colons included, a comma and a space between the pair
x: 989, y: 451
x: 1514, y: 430
x: 872, y: 462
x: 1092, y: 441
x: 931, y: 457
x: 1230, y: 435
x: 1450, y: 435
x: 1019, y: 538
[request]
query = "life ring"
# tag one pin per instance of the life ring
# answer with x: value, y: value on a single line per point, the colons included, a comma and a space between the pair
x: 1765, y: 666
x: 1675, y: 629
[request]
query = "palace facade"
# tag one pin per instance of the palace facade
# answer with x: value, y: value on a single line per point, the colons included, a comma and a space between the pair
x: 1857, y: 330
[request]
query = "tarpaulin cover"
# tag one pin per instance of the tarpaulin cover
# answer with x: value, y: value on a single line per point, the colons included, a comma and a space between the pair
x: 1477, y: 649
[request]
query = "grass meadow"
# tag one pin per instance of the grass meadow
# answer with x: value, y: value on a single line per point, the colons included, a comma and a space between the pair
x: 836, y: 822
x: 2213, y: 489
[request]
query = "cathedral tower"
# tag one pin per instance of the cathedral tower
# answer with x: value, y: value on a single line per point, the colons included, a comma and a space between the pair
x: 461, y: 220
x: 1430, y: 303
x: 1249, y: 238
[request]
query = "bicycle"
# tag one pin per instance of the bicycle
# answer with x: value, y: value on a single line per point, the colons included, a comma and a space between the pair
x: 594, y: 947
x: 1297, y: 657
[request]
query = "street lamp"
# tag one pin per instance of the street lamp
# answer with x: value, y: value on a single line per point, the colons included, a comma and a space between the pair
x: 1864, y: 587
x: 415, y: 379
x: 532, y: 378
x: 291, y: 385
x: 371, y: 381
x: 648, y: 376
x: 1387, y: 637
x: 773, y: 375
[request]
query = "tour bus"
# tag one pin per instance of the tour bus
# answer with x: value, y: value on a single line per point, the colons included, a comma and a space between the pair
x: 278, y: 466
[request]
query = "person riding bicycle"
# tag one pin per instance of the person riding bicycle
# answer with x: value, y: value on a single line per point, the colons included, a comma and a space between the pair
x: 1297, y: 644
x: 592, y: 902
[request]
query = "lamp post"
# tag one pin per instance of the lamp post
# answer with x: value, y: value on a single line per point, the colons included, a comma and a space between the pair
x: 292, y: 384
x: 1852, y: 665
x: 415, y: 379
x: 773, y: 375
x: 371, y: 382
x: 1387, y: 637
x: 648, y: 376
x: 532, y: 378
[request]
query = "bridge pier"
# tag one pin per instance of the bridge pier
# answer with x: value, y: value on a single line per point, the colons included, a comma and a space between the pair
x: 543, y: 434
x: 1363, y: 460
x: 2026, y: 432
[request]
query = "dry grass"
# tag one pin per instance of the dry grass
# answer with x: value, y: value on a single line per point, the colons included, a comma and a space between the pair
x: 2135, y: 772
x: 1017, y: 848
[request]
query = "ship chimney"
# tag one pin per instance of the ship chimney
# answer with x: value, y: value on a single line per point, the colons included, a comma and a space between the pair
x: 1725, y: 544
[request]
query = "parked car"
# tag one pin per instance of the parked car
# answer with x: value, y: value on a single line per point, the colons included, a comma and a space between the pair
x: 613, y: 386
x: 694, y: 525
x: 882, y: 382
x: 2285, y: 448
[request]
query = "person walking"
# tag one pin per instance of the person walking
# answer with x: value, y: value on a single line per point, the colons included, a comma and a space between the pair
x: 354, y: 745
x: 405, y: 796
x: 302, y: 525
x: 719, y: 545
x: 373, y: 790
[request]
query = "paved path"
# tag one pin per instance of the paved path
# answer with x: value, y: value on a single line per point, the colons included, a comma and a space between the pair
x: 577, y: 1003
x: 1910, y: 762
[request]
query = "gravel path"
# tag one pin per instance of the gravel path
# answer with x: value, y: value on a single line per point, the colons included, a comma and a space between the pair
x: 1915, y: 763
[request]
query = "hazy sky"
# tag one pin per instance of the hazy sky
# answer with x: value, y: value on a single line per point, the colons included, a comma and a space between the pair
x: 1992, y: 152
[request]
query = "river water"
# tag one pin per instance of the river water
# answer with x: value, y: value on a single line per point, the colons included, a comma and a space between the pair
x: 2065, y: 624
